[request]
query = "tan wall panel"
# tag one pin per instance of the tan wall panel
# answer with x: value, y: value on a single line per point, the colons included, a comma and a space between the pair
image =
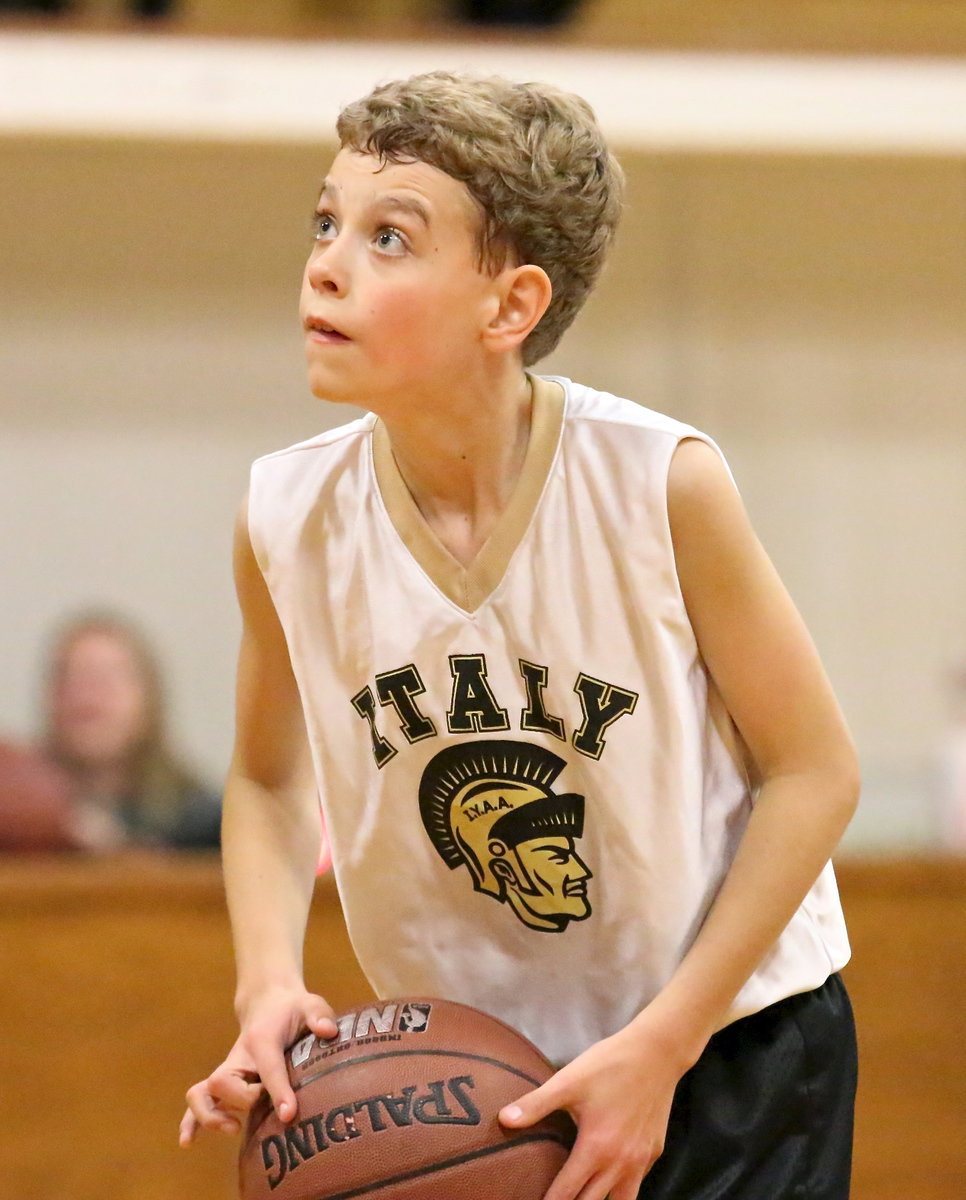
x: 815, y: 26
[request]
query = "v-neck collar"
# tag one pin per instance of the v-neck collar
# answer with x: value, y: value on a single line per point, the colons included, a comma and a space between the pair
x: 469, y: 586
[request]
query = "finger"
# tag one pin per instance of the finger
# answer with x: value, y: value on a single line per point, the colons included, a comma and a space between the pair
x: 188, y: 1129
x: 597, y: 1189
x: 575, y: 1179
x: 190, y: 1126
x: 612, y: 1182
x: 321, y: 1020
x: 234, y: 1091
x: 600, y: 1189
x: 533, y: 1106
x: 205, y: 1113
x: 628, y: 1189
x: 274, y: 1078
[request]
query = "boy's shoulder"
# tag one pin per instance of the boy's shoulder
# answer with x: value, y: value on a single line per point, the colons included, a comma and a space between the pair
x: 587, y: 404
x: 344, y: 435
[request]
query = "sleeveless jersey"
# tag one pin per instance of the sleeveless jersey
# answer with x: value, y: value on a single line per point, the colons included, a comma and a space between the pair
x: 531, y: 790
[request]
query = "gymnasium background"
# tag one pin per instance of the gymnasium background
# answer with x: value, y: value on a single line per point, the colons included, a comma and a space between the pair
x: 790, y: 276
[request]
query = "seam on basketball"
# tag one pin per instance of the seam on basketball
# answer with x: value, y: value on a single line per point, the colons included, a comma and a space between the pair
x: 433, y: 1168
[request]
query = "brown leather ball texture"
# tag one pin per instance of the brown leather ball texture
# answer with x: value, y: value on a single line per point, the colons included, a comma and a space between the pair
x: 403, y: 1105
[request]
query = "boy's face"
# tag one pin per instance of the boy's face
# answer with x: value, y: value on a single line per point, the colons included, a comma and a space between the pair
x: 393, y: 300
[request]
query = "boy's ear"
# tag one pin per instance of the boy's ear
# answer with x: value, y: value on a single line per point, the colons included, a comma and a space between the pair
x: 521, y: 297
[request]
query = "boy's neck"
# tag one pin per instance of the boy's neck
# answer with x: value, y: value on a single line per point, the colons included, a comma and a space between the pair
x: 461, y: 465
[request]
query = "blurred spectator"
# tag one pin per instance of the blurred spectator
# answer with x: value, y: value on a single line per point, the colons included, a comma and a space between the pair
x: 33, y: 6
x: 105, y: 739
x: 136, y: 8
x: 105, y: 726
x: 150, y: 8
x: 531, y: 13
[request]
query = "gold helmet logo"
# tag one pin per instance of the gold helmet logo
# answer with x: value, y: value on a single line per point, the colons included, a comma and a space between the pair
x: 489, y: 807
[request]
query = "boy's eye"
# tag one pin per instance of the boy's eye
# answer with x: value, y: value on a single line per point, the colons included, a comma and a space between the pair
x: 390, y: 241
x: 323, y: 227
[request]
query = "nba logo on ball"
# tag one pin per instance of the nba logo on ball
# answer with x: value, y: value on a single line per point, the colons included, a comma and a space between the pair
x: 374, y: 1022
x: 301, y: 1050
x: 403, y: 1104
x: 414, y: 1018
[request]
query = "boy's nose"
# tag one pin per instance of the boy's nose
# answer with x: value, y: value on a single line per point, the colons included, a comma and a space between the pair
x: 327, y: 270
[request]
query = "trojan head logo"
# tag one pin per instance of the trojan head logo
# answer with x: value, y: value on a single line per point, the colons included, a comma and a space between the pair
x: 489, y: 807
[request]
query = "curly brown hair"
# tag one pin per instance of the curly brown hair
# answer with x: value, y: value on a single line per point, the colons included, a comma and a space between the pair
x: 531, y: 156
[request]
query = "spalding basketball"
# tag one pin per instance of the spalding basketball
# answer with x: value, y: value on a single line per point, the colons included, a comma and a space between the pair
x: 403, y: 1105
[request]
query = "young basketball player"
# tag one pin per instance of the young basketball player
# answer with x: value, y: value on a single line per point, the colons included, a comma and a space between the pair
x: 580, y: 765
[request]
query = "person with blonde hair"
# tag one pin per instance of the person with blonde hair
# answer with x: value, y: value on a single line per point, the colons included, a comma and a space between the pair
x: 105, y: 729
x: 580, y: 764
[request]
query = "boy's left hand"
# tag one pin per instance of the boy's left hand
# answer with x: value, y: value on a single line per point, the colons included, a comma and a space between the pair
x: 619, y: 1092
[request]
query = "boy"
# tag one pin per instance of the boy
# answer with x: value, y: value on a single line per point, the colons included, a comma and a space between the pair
x: 524, y: 634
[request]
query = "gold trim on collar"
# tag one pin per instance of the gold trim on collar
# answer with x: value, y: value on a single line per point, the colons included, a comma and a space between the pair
x: 469, y: 586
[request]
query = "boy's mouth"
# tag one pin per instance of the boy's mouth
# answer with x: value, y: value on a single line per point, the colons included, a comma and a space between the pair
x: 322, y: 331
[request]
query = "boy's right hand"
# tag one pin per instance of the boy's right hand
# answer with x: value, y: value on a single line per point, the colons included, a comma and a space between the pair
x: 256, y: 1063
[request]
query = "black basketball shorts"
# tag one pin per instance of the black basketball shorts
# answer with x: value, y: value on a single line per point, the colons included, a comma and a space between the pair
x: 766, y: 1113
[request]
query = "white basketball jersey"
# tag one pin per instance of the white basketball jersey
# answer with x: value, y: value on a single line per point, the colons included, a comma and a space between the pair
x: 531, y: 790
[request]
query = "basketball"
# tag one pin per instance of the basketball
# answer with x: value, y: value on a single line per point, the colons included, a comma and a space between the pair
x: 402, y: 1105
x: 35, y: 805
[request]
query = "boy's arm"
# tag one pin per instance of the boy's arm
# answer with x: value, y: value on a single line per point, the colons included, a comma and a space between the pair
x: 768, y: 672
x: 766, y: 667
x: 270, y: 846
